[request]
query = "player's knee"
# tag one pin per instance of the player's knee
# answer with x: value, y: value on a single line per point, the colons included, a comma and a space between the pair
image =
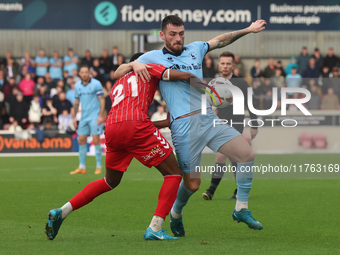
x: 113, y: 182
x: 193, y: 185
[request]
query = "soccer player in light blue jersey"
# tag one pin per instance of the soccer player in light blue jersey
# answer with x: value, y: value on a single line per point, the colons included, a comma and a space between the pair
x: 191, y: 130
x: 89, y: 92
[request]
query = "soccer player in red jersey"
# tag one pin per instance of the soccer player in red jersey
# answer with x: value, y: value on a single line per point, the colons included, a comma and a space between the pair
x: 129, y: 134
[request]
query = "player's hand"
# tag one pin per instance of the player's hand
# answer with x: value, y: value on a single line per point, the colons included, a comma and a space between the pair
x: 253, y: 133
x: 100, y: 119
x: 141, y: 70
x: 75, y: 123
x: 257, y: 26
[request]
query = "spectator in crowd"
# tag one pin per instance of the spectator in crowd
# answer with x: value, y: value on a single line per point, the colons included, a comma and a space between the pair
x: 62, y: 104
x: 96, y: 71
x: 34, y: 113
x: 2, y: 79
x: 50, y: 129
x: 29, y: 62
x: 48, y: 111
x: 105, y: 63
x: 331, y: 60
x: 40, y: 82
x: 18, y: 110
x: 291, y: 64
x: 278, y: 80
x: 87, y: 60
x: 208, y: 68
x: 315, y: 101
x: 41, y: 63
x: 107, y: 90
x: 11, y: 99
x: 303, y: 60
x: 56, y: 92
x: 49, y: 82
x: 312, y: 71
x: 12, y: 69
x: 71, y: 92
x: 56, y: 65
x: 70, y: 62
x: 3, y: 63
x: 8, y: 87
x: 239, y: 65
x: 15, y: 127
x: 293, y: 80
x: 257, y: 89
x: 280, y: 66
x: 75, y: 76
x: 65, y: 121
x: 269, y: 71
x: 318, y: 59
x: 26, y: 86
x: 330, y: 101
x: 256, y: 71
x: 112, y: 77
x: 43, y: 94
x: 2, y: 100
x: 115, y: 62
x: 334, y: 82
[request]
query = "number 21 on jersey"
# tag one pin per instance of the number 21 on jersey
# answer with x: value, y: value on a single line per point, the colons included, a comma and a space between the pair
x: 118, y: 94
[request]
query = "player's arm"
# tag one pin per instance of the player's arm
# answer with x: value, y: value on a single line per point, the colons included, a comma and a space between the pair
x: 101, y: 117
x: 162, y: 123
x: 140, y: 69
x: 228, y: 38
x: 75, y: 111
x: 175, y: 75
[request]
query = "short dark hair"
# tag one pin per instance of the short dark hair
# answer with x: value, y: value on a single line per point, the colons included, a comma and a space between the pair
x: 135, y: 56
x: 227, y: 54
x: 82, y: 66
x: 173, y: 20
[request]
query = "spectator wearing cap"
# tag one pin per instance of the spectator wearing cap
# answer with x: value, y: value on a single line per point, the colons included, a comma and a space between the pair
x: 291, y: 64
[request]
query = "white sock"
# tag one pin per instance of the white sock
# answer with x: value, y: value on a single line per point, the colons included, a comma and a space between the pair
x: 82, y: 167
x: 66, y: 210
x: 175, y: 214
x: 240, y: 205
x: 156, y: 223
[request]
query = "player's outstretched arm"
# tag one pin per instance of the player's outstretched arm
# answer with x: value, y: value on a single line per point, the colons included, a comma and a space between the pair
x: 140, y: 69
x: 228, y: 38
x: 175, y: 75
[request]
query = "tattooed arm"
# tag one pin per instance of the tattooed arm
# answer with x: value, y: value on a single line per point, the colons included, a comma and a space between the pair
x: 228, y: 38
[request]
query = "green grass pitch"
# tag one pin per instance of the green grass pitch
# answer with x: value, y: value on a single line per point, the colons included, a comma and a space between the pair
x: 300, y: 215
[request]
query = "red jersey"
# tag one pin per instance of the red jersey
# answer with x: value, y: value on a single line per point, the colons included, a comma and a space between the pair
x: 131, y: 99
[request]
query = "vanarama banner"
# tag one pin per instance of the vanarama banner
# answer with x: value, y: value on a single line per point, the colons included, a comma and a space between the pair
x: 60, y: 143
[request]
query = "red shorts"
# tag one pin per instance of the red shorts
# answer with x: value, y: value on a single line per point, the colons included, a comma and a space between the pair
x: 139, y: 139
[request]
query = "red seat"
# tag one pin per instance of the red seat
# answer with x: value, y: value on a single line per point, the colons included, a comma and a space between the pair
x: 306, y: 140
x: 320, y: 140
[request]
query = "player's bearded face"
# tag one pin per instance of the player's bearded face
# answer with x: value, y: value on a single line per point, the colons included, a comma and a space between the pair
x: 84, y: 74
x: 173, y: 38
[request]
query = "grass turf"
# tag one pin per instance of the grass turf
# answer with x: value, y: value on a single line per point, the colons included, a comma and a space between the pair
x: 300, y: 216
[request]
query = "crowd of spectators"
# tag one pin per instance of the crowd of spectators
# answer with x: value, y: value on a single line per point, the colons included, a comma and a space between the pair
x: 39, y: 92
x: 319, y: 74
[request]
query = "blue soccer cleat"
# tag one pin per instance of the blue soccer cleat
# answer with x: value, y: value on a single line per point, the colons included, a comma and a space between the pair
x: 157, y: 235
x: 246, y: 216
x: 176, y: 226
x: 53, y: 223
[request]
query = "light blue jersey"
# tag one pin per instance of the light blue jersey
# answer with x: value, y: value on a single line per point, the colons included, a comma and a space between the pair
x: 180, y: 98
x: 55, y: 72
x: 69, y: 68
x: 41, y: 70
x: 88, y: 96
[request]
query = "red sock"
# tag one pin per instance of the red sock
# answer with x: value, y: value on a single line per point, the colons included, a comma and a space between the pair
x: 167, y: 195
x: 89, y: 192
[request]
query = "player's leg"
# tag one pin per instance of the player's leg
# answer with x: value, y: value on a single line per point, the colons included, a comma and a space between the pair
x: 83, y: 132
x: 239, y: 150
x: 216, y: 176
x: 166, y: 197
x: 96, y: 131
x: 85, y: 196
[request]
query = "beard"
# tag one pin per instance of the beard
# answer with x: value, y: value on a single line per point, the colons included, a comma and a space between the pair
x: 176, y: 48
